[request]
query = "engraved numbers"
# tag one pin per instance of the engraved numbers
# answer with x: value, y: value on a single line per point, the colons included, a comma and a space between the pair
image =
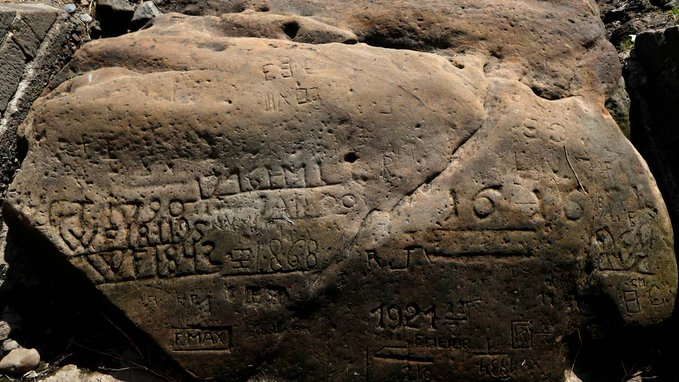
x: 410, y: 316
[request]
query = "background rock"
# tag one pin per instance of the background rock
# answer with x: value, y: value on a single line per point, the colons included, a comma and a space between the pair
x: 653, y: 82
x: 42, y: 41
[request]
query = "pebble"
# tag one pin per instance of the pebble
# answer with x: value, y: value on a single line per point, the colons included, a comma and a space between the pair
x: 86, y: 18
x: 70, y: 7
x: 9, y: 345
x: 20, y: 361
x: 145, y: 11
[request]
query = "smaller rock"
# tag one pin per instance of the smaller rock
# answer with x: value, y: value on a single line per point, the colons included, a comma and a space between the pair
x: 20, y: 361
x: 70, y: 7
x: 9, y: 344
x: 145, y: 12
x: 86, y: 18
x: 5, y: 329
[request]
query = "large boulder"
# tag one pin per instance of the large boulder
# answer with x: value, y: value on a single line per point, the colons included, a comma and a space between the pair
x: 292, y: 206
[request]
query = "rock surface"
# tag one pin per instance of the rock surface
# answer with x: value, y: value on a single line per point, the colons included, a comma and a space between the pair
x: 653, y: 80
x: 267, y: 206
x: 35, y: 42
x: 20, y: 361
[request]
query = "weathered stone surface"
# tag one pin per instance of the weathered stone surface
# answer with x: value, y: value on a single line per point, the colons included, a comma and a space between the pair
x: 345, y: 212
x: 10, y: 71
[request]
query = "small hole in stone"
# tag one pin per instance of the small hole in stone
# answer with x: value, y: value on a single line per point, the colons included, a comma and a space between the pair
x: 291, y: 28
x: 350, y: 157
x: 264, y: 8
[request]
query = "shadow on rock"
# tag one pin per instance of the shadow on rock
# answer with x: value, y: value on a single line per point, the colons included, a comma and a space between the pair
x: 65, y: 318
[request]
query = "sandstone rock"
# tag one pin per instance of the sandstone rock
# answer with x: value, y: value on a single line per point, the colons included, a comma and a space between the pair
x: 20, y: 361
x: 266, y: 207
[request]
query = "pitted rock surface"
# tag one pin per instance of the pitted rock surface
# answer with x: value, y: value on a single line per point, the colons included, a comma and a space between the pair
x: 270, y: 207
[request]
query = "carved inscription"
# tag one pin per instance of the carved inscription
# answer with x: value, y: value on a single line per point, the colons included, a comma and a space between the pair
x: 231, y: 182
x: 410, y: 316
x: 202, y: 339
x: 276, y: 256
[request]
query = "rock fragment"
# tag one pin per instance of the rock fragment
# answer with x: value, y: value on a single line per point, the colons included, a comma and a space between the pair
x: 145, y: 12
x: 20, y: 361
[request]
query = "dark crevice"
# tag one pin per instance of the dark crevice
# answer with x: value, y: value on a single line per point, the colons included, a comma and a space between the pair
x: 351, y: 157
x: 545, y: 93
x: 65, y: 318
x: 291, y: 28
x: 411, y: 40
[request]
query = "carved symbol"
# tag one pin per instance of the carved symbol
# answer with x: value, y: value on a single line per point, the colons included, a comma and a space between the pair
x: 631, y: 300
x: 275, y: 102
x: 485, y: 200
x: 530, y: 128
x: 306, y: 95
x: 522, y: 337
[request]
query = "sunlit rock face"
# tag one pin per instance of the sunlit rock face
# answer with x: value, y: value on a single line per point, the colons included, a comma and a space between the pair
x: 264, y: 196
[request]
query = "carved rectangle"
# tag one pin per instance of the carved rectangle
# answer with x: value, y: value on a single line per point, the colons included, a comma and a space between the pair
x: 201, y: 339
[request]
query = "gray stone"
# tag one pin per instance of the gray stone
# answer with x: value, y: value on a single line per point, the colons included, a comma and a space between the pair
x: 39, y: 17
x: 6, y: 18
x: 70, y: 7
x: 86, y: 18
x: 28, y: 60
x: 145, y: 12
x: 23, y: 35
x: 20, y: 361
x: 12, y: 65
